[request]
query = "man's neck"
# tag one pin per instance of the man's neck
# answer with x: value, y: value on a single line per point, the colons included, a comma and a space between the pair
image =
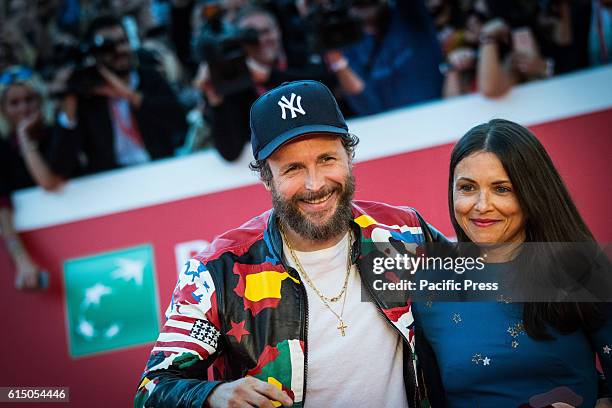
x: 299, y: 243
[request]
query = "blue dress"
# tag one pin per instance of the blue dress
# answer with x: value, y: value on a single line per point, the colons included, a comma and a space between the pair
x: 487, y: 360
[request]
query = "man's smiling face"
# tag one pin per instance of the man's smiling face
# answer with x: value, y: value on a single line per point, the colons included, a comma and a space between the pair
x: 312, y: 186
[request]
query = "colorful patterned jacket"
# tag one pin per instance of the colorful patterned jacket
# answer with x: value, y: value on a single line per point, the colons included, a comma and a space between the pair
x: 238, y: 311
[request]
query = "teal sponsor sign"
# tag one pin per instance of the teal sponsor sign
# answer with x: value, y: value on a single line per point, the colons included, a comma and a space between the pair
x: 111, y: 300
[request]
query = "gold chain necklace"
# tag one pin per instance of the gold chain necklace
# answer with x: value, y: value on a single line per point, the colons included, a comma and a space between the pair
x: 341, y: 325
x: 307, y: 277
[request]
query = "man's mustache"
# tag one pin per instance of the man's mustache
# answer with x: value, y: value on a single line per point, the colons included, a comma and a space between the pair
x: 315, y: 195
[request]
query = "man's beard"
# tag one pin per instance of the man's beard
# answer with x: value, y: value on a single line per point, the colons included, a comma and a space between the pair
x: 290, y: 214
x: 123, y: 71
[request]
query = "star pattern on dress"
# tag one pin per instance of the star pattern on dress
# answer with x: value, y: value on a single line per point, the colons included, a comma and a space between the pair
x: 503, y: 299
x: 429, y: 301
x: 238, y: 330
x: 607, y: 349
x: 515, y: 331
x: 456, y: 318
x: 478, y: 358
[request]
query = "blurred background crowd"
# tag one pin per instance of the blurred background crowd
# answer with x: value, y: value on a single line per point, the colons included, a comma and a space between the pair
x: 92, y: 85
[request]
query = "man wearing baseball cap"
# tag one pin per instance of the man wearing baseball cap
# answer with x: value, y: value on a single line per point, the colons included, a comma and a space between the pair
x: 271, y: 313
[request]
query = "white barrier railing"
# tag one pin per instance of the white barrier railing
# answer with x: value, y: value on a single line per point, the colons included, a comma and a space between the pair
x: 381, y: 135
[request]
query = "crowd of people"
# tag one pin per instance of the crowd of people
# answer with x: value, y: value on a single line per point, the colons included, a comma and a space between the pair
x: 89, y: 86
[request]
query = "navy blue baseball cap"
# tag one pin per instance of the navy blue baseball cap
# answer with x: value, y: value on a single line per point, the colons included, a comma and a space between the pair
x: 292, y: 110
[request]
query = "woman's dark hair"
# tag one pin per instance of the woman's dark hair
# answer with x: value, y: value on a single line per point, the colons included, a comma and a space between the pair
x: 549, y: 212
x: 517, y: 13
x: 349, y: 142
x: 99, y: 23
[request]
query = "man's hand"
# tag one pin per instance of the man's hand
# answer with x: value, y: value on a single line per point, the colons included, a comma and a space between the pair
x: 531, y: 66
x: 203, y: 82
x: 247, y: 392
x: 114, y: 87
x: 336, y: 61
x: 27, y: 128
x: 260, y: 73
x: 496, y: 30
x: 462, y: 58
x: 351, y: 83
x: 27, y: 273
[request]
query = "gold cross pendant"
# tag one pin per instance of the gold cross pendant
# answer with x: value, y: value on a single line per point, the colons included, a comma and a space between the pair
x: 341, y: 327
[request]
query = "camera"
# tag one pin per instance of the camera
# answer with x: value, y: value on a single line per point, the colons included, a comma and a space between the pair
x: 332, y: 26
x: 221, y: 46
x: 82, y: 58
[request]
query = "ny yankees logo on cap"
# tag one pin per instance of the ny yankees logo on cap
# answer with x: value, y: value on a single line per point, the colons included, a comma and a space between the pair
x: 269, y: 130
x: 288, y: 104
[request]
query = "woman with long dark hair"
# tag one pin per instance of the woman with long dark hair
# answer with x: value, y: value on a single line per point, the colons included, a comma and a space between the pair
x: 504, y: 195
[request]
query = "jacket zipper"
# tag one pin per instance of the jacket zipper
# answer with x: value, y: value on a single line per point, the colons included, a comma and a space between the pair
x: 304, y: 332
x: 379, y: 308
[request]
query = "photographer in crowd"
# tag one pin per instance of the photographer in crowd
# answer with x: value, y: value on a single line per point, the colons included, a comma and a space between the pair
x: 114, y: 112
x: 515, y: 46
x: 242, y: 59
x: 396, y: 59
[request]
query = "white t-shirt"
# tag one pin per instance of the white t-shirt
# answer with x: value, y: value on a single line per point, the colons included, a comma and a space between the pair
x: 364, y: 368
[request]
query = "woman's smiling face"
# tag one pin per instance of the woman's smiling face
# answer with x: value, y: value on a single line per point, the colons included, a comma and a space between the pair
x: 485, y: 204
